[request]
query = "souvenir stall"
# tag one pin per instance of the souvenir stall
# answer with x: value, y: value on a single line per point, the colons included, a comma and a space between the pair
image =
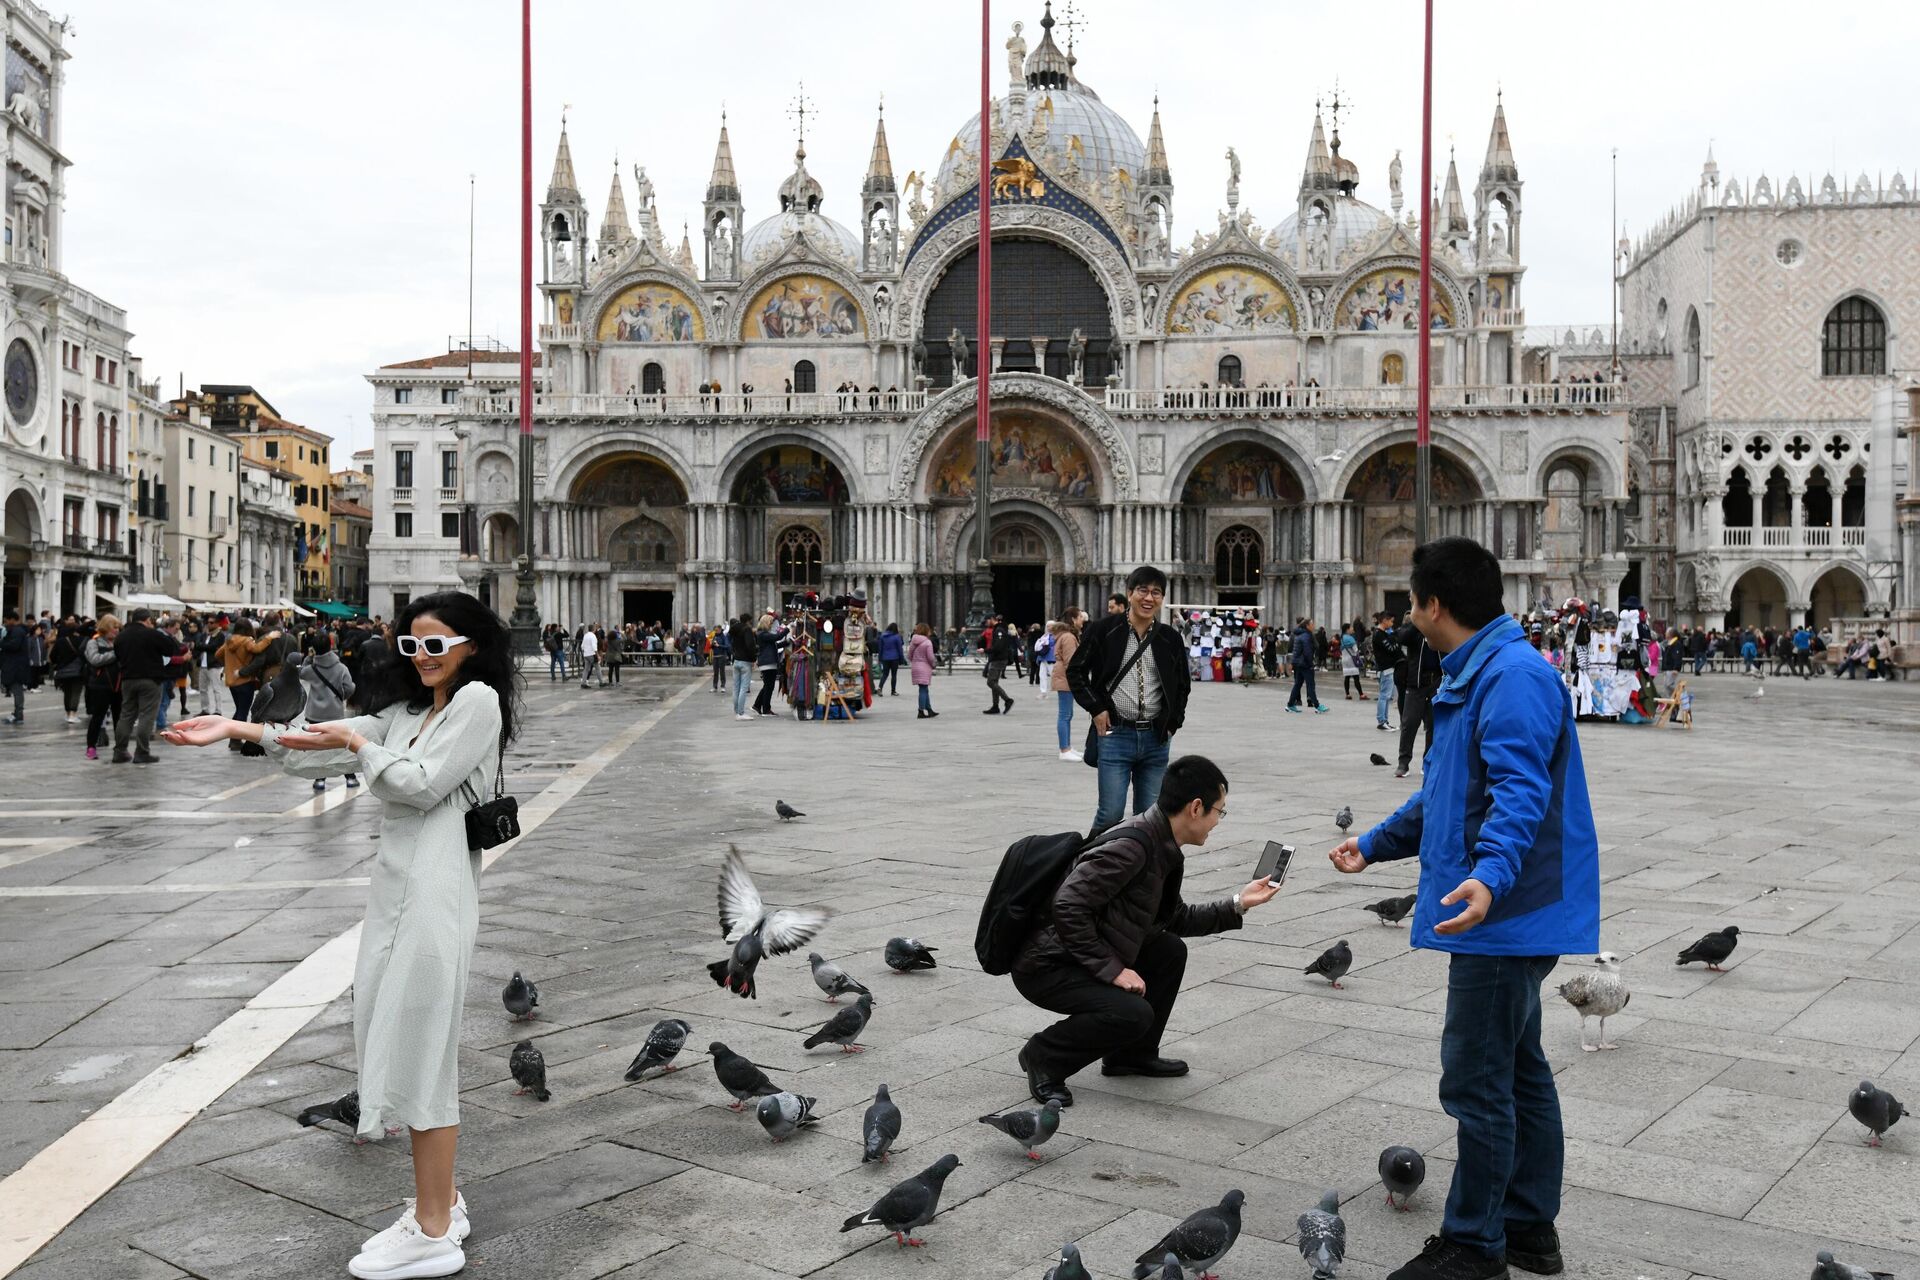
x: 1606, y: 663
x: 1223, y: 641
x: 826, y: 656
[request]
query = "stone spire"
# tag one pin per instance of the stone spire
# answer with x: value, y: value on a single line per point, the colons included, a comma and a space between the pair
x: 1318, y: 175
x: 562, y: 183
x: 684, y: 259
x: 1500, y: 166
x: 1452, y: 216
x: 614, y: 227
x: 1047, y: 67
x: 880, y: 164
x: 723, y: 187
x: 1157, y: 168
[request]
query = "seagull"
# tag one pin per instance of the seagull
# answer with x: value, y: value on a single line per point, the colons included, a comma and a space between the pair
x: 1597, y: 995
x: 1335, y: 456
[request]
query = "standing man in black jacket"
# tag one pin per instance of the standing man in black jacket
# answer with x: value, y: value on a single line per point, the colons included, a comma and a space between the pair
x: 1421, y: 681
x: 146, y: 656
x: 1002, y: 650
x: 1111, y: 956
x: 1137, y: 706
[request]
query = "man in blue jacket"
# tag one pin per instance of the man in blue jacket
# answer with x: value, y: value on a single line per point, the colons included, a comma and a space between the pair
x: 1301, y: 654
x: 1509, y: 881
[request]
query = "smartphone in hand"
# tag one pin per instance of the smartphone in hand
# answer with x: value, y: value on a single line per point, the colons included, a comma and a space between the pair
x: 1273, y: 864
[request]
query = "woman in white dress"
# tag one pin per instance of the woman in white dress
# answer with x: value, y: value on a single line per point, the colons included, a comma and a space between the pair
x: 440, y: 711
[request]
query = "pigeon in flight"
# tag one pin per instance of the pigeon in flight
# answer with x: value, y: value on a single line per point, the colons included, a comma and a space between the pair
x: 739, y: 1077
x: 786, y: 811
x: 1323, y: 1237
x: 831, y: 978
x: 1713, y: 948
x: 844, y: 1027
x: 1392, y: 910
x: 1333, y: 963
x: 1599, y: 993
x: 1875, y: 1108
x: 904, y: 955
x: 1376, y: 758
x: 345, y: 1109
x: 908, y: 1204
x: 529, y: 1070
x: 1826, y: 1268
x: 753, y: 930
x: 879, y: 1127
x: 1030, y: 1127
x: 1402, y: 1170
x: 1199, y: 1242
x: 1344, y: 818
x: 1069, y: 1266
x: 521, y: 997
x: 782, y: 1114
x: 664, y: 1043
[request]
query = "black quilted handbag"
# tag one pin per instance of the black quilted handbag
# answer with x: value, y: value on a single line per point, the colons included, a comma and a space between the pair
x: 496, y: 821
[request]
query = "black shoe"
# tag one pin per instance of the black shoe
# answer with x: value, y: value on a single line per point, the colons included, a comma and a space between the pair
x: 1443, y: 1259
x: 992, y: 711
x: 1042, y: 1086
x: 144, y: 757
x: 1534, y: 1247
x: 1009, y: 704
x: 1143, y: 1067
x: 932, y: 714
x: 121, y: 757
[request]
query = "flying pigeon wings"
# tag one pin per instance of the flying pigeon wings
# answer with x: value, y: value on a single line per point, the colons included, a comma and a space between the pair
x: 740, y: 904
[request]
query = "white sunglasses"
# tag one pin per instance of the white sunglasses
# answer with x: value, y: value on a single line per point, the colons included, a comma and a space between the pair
x: 434, y: 646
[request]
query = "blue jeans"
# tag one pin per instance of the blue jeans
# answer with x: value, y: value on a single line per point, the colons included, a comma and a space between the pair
x: 1129, y: 756
x: 556, y: 665
x: 926, y: 696
x: 1385, y: 700
x: 742, y: 681
x: 1496, y: 1081
x: 1303, y: 674
x: 1066, y: 719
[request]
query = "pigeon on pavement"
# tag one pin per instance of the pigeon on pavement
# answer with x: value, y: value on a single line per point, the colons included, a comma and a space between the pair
x: 739, y: 1077
x: 1599, y: 993
x: 786, y: 811
x: 345, y: 1109
x: 1344, y: 818
x: 1392, y: 910
x: 904, y: 955
x: 1875, y: 1108
x: 1029, y: 1127
x: 753, y: 930
x: 529, y: 1070
x: 1825, y: 1268
x: 844, y: 1027
x: 664, y: 1043
x: 521, y: 997
x: 908, y: 1204
x: 1713, y: 948
x: 1375, y: 757
x: 1170, y: 1268
x: 1333, y: 963
x: 879, y: 1127
x: 1069, y: 1266
x: 1402, y: 1170
x: 783, y: 1113
x: 831, y: 978
x: 1323, y: 1237
x: 1199, y: 1242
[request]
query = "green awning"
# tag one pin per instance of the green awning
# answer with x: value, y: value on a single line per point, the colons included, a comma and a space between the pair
x: 332, y: 610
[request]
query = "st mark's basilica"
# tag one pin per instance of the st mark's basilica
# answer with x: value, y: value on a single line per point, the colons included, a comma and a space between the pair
x: 791, y: 401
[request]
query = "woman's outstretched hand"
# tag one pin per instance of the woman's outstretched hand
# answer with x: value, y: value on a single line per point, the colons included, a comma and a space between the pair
x: 199, y: 731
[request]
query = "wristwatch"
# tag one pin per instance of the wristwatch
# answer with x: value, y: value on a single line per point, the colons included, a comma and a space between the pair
x: 1239, y: 908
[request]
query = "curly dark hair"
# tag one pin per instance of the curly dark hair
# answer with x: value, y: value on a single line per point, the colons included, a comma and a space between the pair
x: 491, y: 663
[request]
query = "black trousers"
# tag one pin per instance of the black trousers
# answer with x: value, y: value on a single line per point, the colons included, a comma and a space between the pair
x: 1102, y: 1020
x: 1415, y: 712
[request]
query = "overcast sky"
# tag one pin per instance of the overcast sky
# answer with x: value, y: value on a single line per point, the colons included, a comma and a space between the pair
x: 277, y: 191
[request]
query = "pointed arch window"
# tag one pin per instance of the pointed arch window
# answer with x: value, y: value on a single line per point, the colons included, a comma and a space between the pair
x: 797, y: 556
x: 1692, y: 351
x: 1853, y: 341
x: 1237, y: 556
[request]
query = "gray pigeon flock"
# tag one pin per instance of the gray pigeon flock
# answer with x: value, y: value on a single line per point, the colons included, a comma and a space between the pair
x: 521, y: 997
x: 1600, y: 994
x: 1030, y: 1127
x: 782, y: 1114
x: 908, y: 1204
x: 1333, y: 963
x: 1323, y: 1237
x: 1199, y: 1242
x: 529, y: 1070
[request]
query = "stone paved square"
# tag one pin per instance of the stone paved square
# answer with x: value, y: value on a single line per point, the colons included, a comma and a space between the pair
x: 145, y: 907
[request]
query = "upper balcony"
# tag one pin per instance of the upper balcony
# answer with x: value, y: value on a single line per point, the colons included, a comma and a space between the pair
x: 1183, y: 402
x: 728, y: 404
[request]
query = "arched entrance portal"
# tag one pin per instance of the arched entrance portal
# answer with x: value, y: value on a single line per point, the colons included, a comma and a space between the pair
x: 629, y: 515
x: 22, y: 528
x: 1243, y: 510
x: 1759, y: 599
x: 1020, y: 559
x: 1838, y: 594
x: 1382, y: 512
x: 787, y: 500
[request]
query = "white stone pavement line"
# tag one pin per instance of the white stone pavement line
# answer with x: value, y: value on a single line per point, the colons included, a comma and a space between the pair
x: 237, y: 886
x: 331, y: 798
x: 39, y: 1199
x: 47, y: 845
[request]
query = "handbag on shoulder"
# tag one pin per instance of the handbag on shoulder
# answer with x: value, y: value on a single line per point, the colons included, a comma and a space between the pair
x: 1090, y: 752
x: 496, y: 821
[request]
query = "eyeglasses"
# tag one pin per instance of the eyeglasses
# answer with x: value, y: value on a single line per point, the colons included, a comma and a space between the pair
x: 1150, y: 591
x: 432, y: 646
x: 1219, y: 809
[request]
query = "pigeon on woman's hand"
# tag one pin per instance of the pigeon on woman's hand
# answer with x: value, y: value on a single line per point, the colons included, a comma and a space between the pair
x: 904, y: 955
x: 1323, y: 1237
x: 1875, y: 1108
x: 908, y: 1204
x: 844, y: 1027
x: 1713, y: 948
x: 782, y: 1113
x: 1600, y: 993
x: 1200, y: 1241
x: 664, y: 1043
x: 831, y: 978
x: 520, y: 996
x: 1030, y: 1127
x: 879, y: 1127
x: 1333, y: 963
x: 739, y: 1077
x: 753, y: 930
x: 529, y: 1070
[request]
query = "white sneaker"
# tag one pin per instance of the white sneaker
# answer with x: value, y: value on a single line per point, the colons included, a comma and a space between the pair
x: 1071, y: 755
x: 744, y: 717
x: 457, y: 1232
x: 404, y: 1252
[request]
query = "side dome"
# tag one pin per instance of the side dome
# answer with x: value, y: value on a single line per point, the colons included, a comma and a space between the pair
x: 1353, y: 221
x: 800, y: 199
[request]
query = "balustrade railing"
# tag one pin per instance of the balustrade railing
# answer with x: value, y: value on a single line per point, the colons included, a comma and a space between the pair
x: 1785, y: 538
x: 1388, y: 399
x: 726, y: 404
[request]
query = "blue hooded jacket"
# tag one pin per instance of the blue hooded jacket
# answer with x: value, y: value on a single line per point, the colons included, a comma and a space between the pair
x: 1503, y: 801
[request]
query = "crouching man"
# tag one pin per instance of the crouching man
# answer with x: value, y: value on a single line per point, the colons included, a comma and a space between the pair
x: 1111, y: 958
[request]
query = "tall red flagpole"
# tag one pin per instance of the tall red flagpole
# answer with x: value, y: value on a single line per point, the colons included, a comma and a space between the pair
x: 981, y: 605
x: 1423, y: 431
x: 526, y: 613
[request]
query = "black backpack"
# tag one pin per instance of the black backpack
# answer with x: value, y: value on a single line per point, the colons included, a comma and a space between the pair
x: 1020, y: 899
